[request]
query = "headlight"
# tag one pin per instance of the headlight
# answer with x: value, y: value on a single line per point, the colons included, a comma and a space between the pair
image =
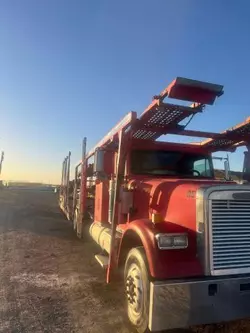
x: 172, y: 241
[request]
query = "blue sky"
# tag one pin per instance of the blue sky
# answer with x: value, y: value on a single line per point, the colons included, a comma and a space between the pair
x: 70, y: 69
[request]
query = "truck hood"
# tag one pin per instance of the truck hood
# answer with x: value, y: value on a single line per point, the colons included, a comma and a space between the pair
x: 174, y: 199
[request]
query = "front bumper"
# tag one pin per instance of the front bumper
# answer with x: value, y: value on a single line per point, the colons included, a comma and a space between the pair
x: 178, y: 304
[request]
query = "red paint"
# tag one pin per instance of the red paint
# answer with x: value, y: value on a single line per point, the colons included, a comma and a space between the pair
x: 166, y: 196
x: 83, y: 189
x: 102, y: 190
x: 194, y: 91
x: 169, y: 198
x: 230, y: 139
x: 101, y: 202
x: 166, y: 263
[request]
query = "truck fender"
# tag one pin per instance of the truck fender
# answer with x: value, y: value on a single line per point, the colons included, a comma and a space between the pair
x: 161, y: 264
x: 140, y: 233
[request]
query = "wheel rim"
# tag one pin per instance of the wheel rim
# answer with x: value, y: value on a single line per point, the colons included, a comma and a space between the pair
x: 134, y: 293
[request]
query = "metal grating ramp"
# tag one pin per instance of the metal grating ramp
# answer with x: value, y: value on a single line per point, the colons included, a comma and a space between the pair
x: 229, y: 138
x: 154, y: 121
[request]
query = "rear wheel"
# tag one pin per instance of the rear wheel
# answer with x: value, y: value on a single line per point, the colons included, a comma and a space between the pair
x: 79, y: 224
x: 136, y: 281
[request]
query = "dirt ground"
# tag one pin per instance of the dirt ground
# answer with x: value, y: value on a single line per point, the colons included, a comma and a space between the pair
x: 49, y: 280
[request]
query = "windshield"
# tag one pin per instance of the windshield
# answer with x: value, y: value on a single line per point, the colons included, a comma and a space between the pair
x: 171, y: 163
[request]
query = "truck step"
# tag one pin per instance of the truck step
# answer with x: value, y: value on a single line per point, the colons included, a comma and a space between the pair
x: 103, y: 260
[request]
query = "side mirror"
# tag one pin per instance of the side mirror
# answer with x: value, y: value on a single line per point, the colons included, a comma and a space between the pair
x: 98, y: 168
x: 227, y: 170
x: 90, y: 170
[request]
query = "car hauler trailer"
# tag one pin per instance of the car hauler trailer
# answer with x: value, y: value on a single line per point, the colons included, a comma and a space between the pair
x: 180, y: 237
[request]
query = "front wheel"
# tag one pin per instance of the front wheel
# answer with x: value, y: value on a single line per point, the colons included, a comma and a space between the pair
x: 136, y: 279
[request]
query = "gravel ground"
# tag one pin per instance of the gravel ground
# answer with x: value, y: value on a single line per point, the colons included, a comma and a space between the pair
x: 49, y: 280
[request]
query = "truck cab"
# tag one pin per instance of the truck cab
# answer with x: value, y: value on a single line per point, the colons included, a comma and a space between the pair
x: 180, y: 237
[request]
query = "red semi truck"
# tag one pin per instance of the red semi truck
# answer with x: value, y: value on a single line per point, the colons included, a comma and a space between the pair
x: 180, y: 237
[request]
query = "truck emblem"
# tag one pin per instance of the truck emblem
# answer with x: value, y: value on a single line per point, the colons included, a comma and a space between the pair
x: 190, y: 193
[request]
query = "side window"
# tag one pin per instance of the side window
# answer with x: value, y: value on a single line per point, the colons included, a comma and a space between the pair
x: 202, y: 166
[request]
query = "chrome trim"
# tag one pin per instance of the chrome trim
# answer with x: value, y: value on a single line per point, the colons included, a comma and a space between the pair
x: 207, y: 190
x: 235, y: 271
x: 210, y: 234
x: 157, y: 236
x: 228, y: 194
x: 183, y: 303
x: 230, y: 221
x: 203, y: 224
x: 202, y: 234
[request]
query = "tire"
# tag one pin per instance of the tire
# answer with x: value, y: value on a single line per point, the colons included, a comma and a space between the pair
x: 136, y: 282
x: 136, y: 267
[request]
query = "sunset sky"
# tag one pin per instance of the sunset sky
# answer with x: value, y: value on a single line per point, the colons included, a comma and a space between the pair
x: 70, y: 69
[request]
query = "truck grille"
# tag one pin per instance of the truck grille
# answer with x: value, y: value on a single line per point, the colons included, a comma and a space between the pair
x: 230, y: 229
